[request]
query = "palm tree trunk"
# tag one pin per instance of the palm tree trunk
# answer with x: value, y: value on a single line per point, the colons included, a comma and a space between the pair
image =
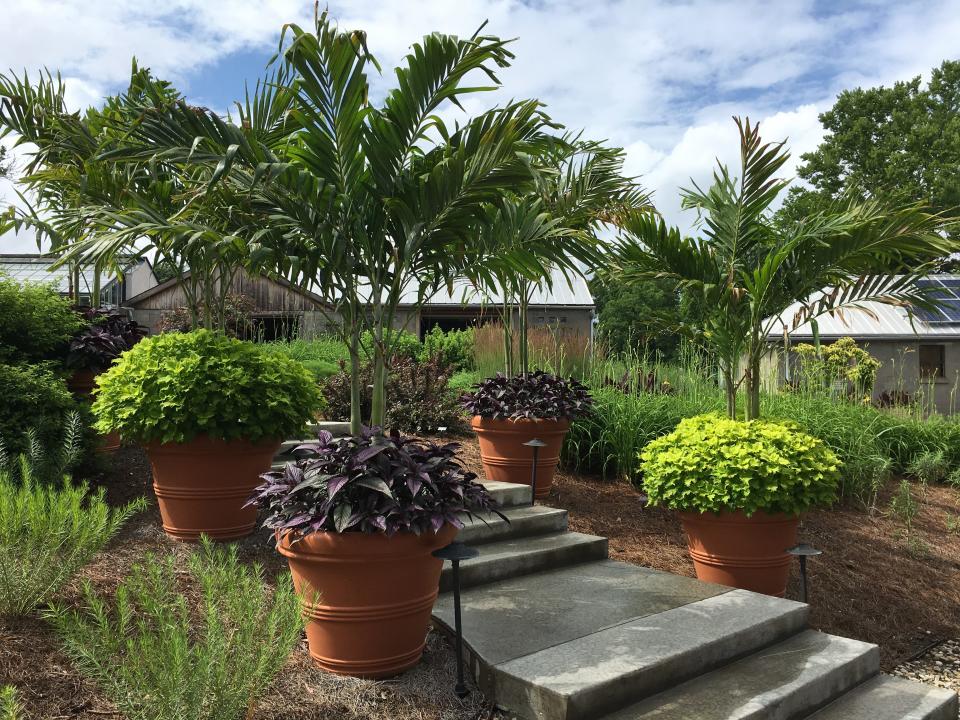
x: 731, y: 392
x: 753, y: 388
x: 378, y: 399
x: 507, y: 337
x: 355, y: 396
x: 524, y: 346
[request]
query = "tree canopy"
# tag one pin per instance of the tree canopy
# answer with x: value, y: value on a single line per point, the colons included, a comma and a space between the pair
x: 898, y: 144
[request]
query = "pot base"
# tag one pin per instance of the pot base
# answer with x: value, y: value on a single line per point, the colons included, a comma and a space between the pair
x: 202, y: 486
x: 747, y: 553
x: 505, y: 458
x: 366, y: 598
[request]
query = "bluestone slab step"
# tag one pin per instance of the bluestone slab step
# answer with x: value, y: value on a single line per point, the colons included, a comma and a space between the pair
x: 521, y: 556
x: 891, y: 698
x: 786, y: 681
x: 512, y: 618
x: 508, y: 494
x: 523, y: 521
x: 601, y: 672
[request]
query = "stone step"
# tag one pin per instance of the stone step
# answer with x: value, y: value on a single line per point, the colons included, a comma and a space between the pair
x: 582, y: 641
x: 524, y: 521
x: 891, y: 698
x: 522, y: 556
x: 508, y: 494
x: 788, y: 680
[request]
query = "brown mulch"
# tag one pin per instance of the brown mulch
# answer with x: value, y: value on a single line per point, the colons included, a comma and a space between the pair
x: 50, y: 688
x: 872, y: 582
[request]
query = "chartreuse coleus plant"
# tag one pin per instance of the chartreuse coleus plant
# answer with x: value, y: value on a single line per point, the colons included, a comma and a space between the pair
x: 711, y: 463
x: 176, y: 386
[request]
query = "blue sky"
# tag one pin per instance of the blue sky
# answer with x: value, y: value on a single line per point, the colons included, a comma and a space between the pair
x: 658, y: 78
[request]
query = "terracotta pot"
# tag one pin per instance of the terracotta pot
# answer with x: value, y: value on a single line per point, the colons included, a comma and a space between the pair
x: 506, y: 458
x: 374, y: 595
x: 109, y: 442
x: 81, y: 383
x: 749, y: 553
x: 202, y: 485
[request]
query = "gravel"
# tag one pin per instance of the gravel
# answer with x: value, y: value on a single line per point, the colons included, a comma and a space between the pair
x: 940, y: 666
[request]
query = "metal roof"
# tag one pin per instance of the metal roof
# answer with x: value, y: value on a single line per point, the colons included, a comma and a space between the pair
x: 563, y: 292
x: 31, y: 268
x: 872, y: 320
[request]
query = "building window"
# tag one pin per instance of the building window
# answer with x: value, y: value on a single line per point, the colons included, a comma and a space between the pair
x: 931, y: 361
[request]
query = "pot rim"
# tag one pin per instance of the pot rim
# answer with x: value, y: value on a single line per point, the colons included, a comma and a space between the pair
x: 736, y: 516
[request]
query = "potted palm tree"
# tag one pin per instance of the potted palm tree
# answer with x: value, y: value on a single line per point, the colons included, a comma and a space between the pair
x: 740, y: 488
x: 358, y: 519
x: 745, y: 273
x: 510, y: 411
x: 211, y: 412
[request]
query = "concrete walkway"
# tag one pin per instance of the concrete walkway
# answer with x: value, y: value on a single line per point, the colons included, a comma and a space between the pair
x: 556, y: 631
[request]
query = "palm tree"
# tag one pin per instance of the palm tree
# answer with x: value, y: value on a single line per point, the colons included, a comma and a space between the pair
x: 578, y: 187
x: 746, y: 271
x: 360, y: 203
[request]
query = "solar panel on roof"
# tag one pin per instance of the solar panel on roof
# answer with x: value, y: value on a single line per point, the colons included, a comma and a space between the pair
x: 944, y: 292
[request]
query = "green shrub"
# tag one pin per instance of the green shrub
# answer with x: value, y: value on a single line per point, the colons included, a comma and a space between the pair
x: 419, y: 399
x: 904, y: 506
x: 454, y: 348
x: 929, y: 467
x: 713, y: 464
x: 47, y: 534
x: 10, y: 707
x: 406, y: 345
x: 173, y: 387
x: 35, y: 322
x: 157, y: 660
x: 32, y: 397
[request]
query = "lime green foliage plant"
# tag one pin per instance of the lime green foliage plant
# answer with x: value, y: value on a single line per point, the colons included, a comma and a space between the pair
x: 47, y: 534
x: 156, y: 658
x: 176, y: 386
x: 711, y: 463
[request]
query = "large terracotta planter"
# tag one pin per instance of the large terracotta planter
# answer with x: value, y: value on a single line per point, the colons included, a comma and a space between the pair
x: 506, y: 458
x: 81, y: 383
x: 734, y: 550
x: 109, y: 442
x: 202, y: 485
x: 367, y: 598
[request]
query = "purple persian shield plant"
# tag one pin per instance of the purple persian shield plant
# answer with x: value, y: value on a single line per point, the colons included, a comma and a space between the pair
x: 537, y: 395
x: 370, y: 484
x: 110, y: 334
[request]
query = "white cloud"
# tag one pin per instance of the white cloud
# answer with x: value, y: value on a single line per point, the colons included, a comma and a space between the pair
x: 660, y: 78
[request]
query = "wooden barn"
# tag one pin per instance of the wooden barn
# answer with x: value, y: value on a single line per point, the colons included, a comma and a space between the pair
x: 281, y: 310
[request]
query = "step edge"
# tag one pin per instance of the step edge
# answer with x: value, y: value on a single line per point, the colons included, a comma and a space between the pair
x: 584, y: 702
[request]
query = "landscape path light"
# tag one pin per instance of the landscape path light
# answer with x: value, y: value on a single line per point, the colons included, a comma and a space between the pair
x: 456, y: 552
x: 536, y: 444
x: 803, y: 551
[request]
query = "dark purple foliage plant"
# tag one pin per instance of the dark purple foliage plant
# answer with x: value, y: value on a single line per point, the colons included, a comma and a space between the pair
x: 109, y: 335
x: 370, y: 484
x: 534, y: 396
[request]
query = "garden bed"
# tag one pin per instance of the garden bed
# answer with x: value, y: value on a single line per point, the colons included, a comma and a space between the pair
x: 52, y: 689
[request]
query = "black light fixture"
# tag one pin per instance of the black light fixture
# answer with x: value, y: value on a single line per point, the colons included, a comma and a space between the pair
x: 536, y: 444
x: 803, y: 551
x: 456, y: 552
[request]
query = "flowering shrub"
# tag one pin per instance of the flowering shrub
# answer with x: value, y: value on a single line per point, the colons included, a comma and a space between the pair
x: 536, y: 395
x: 370, y: 484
